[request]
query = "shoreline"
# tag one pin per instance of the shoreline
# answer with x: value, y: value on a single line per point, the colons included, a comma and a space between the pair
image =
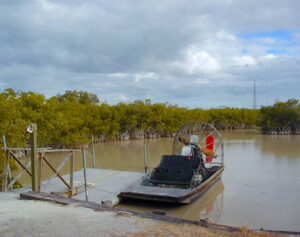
x: 37, y: 218
x: 128, y: 137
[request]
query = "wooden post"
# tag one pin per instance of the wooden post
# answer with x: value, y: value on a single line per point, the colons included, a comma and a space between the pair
x: 71, y: 175
x: 34, y: 161
x: 93, y: 152
x: 5, y: 173
x: 145, y: 157
x: 222, y: 155
x: 8, y: 167
x: 39, y: 171
x: 84, y: 174
x: 4, y: 142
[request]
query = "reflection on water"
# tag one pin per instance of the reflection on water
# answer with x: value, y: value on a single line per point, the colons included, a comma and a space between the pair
x: 260, y: 185
x: 209, y: 206
x: 279, y: 146
x: 129, y: 155
x: 212, y: 204
x: 262, y: 181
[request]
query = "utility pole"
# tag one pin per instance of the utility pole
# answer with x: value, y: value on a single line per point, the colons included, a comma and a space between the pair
x: 254, y: 95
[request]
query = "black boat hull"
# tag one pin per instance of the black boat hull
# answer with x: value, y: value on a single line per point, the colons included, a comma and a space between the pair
x: 173, y: 195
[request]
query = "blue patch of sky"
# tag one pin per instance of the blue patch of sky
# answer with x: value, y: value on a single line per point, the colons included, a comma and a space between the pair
x: 275, y: 51
x: 278, y: 34
x: 283, y: 46
x: 282, y: 51
x: 244, y: 51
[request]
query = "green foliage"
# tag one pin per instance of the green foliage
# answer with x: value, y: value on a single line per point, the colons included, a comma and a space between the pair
x: 12, y: 119
x: 281, y: 118
x: 81, y: 97
x: 71, y: 118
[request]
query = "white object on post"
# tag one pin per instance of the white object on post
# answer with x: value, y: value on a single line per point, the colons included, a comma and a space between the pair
x: 30, y: 128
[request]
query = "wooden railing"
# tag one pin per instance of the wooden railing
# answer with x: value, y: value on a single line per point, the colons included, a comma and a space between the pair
x: 19, y: 155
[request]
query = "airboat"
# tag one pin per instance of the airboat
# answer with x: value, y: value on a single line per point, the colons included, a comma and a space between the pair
x: 195, y: 165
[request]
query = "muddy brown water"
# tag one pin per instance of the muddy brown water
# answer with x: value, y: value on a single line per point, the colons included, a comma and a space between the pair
x: 260, y: 186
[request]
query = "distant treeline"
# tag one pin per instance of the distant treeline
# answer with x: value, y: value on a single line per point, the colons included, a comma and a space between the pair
x: 281, y: 118
x: 73, y: 117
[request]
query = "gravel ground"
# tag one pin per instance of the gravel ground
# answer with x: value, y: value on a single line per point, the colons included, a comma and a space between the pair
x: 37, y: 218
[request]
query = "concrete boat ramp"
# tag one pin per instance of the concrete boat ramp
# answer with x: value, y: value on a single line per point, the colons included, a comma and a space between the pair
x: 104, y: 186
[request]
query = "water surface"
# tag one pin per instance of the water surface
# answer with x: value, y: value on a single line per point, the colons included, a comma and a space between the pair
x: 260, y: 186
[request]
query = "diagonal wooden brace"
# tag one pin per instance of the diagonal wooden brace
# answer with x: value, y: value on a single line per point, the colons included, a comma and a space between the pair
x: 56, y: 172
x: 19, y: 162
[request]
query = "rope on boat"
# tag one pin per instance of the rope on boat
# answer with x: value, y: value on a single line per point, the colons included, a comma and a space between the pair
x: 102, y: 190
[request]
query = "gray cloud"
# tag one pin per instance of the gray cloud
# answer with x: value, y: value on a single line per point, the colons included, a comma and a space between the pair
x: 191, y: 53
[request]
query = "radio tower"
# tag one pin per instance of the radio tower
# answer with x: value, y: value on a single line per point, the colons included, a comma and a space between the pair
x: 254, y: 95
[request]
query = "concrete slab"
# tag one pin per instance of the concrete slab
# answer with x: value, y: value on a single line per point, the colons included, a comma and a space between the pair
x: 103, y: 185
x: 108, y: 184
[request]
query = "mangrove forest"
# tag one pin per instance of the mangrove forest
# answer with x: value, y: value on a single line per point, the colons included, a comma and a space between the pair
x: 73, y: 117
x: 70, y: 119
x: 281, y: 118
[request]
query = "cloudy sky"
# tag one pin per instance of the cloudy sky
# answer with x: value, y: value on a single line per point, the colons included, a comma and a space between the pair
x: 192, y: 53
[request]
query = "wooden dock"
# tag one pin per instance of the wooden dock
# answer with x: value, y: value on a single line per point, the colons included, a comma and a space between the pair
x: 103, y: 186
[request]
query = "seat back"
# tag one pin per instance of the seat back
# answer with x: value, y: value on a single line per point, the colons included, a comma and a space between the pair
x: 175, y: 170
x: 180, y: 161
x: 172, y: 176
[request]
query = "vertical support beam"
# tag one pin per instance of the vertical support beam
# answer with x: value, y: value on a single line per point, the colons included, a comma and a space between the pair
x: 71, y: 174
x: 39, y: 171
x: 222, y: 154
x: 34, y: 168
x: 145, y: 157
x: 93, y: 152
x: 4, y: 142
x: 5, y: 173
x: 84, y: 174
x: 9, y: 173
x: 8, y: 167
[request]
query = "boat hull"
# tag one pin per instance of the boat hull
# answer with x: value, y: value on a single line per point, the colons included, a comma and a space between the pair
x: 173, y: 195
